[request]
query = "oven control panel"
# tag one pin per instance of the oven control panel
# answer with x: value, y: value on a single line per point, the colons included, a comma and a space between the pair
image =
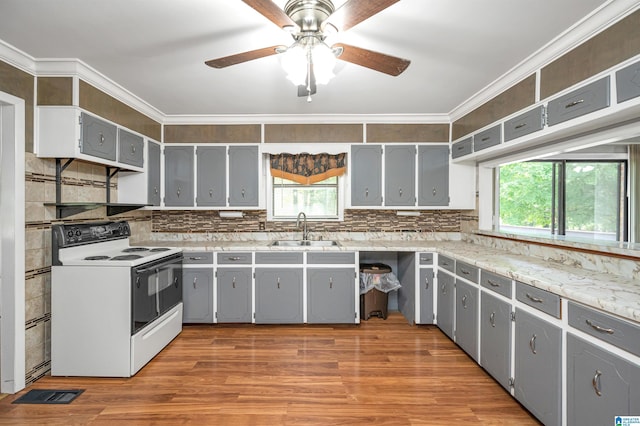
x: 66, y: 235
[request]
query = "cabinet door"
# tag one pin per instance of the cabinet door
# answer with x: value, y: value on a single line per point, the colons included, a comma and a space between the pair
x: 467, y: 318
x: 153, y: 174
x: 446, y: 289
x: 98, y: 137
x: 600, y: 385
x: 366, y: 175
x: 433, y: 175
x: 197, y: 295
x: 331, y: 295
x: 211, y: 176
x: 243, y: 176
x: 426, y: 296
x: 279, y: 295
x: 130, y: 148
x: 400, y: 176
x: 234, y: 295
x: 538, y: 367
x: 178, y: 176
x: 495, y: 338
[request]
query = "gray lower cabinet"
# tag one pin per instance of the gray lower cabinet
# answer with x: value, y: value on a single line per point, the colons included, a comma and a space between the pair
x: 366, y: 175
x: 244, y: 176
x: 234, y: 294
x: 400, y: 176
x: 153, y: 173
x: 211, y: 176
x: 197, y: 295
x: 466, y: 312
x: 495, y: 338
x: 178, y: 176
x: 446, y: 291
x: 538, y: 366
x: 406, y: 274
x: 98, y: 137
x: 600, y: 385
x: 278, y: 295
x: 426, y: 296
x: 433, y: 175
x: 331, y: 295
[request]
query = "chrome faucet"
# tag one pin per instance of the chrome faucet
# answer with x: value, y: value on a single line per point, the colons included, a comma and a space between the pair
x: 305, y: 232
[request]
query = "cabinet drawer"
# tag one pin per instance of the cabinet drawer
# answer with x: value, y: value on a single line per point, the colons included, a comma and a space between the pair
x: 628, y: 82
x: 495, y: 282
x: 466, y: 271
x: 426, y: 258
x: 446, y: 262
x: 582, y: 101
x: 331, y: 258
x: 528, y: 122
x: 487, y: 138
x: 278, y: 257
x: 237, y: 258
x: 197, y: 257
x: 542, y: 300
x: 130, y: 148
x: 461, y: 148
x: 618, y: 332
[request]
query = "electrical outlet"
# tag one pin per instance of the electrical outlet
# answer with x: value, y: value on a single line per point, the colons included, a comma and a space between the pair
x: 261, y: 226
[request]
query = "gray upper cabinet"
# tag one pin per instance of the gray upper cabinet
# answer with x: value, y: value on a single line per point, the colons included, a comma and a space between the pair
x: 462, y: 148
x: 628, y: 82
x: 426, y: 296
x: 331, y: 295
x: 524, y: 124
x: 446, y: 288
x: 153, y: 173
x: 600, y: 385
x: 178, y: 176
x: 197, y: 295
x: 487, y: 138
x: 279, y: 295
x: 98, y: 137
x: 366, y: 175
x: 243, y: 176
x: 130, y: 148
x: 538, y: 364
x: 579, y: 102
x: 234, y: 294
x: 495, y: 338
x: 211, y: 176
x: 433, y: 175
x: 400, y: 176
x: 466, y: 312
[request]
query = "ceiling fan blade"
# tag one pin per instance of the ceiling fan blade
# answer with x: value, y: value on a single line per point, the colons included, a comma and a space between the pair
x: 387, y: 64
x: 302, y: 89
x: 355, y: 11
x: 238, y: 58
x: 272, y: 12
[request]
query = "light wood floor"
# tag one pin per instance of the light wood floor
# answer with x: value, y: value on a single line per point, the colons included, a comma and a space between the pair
x: 383, y: 372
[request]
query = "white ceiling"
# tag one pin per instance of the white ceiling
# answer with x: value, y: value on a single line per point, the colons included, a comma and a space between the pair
x: 156, y: 50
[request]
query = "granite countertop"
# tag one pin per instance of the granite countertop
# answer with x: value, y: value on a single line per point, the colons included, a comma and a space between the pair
x: 615, y: 294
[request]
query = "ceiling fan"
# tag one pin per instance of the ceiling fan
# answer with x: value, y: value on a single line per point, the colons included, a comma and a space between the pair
x: 309, y: 22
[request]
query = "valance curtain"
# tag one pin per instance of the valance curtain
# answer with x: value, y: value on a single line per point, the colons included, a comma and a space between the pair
x: 307, y: 169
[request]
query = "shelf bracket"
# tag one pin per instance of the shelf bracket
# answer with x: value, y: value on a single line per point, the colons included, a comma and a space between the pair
x: 59, y: 169
x: 111, y: 172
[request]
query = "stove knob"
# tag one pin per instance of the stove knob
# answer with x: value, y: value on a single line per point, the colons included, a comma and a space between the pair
x: 70, y: 233
x: 78, y: 232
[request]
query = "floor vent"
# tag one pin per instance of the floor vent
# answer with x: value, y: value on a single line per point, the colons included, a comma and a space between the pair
x: 48, y: 396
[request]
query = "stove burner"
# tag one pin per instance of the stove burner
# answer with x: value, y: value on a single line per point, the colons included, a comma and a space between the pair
x: 160, y: 249
x: 134, y: 249
x: 127, y: 257
x: 96, y: 257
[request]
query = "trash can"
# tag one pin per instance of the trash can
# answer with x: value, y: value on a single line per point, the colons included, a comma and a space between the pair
x: 376, y: 281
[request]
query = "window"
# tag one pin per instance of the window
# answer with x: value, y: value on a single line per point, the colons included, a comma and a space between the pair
x: 564, y: 197
x: 318, y: 200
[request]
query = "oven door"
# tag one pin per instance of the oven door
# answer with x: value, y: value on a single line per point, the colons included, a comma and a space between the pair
x: 156, y: 287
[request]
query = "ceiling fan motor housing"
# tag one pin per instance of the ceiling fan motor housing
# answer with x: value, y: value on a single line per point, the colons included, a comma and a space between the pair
x: 309, y: 14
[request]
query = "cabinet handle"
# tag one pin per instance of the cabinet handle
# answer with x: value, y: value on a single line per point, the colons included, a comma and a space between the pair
x: 520, y: 126
x: 492, y: 319
x: 595, y: 382
x: 600, y: 329
x: 211, y: 193
x: 101, y: 141
x: 233, y: 282
x: 400, y: 192
x: 243, y: 192
x: 235, y: 259
x: 278, y: 282
x: 137, y: 282
x: 443, y: 289
x: 574, y: 103
x: 434, y: 191
x: 460, y: 147
x: 330, y: 282
x: 178, y: 192
x: 195, y: 258
x: 493, y: 283
x: 486, y: 138
x: 532, y: 344
x: 155, y: 189
x: 426, y: 283
x: 195, y: 280
x: 464, y: 271
x: 464, y: 301
x: 133, y: 149
x: 366, y: 192
x: 534, y: 299
x: 175, y: 282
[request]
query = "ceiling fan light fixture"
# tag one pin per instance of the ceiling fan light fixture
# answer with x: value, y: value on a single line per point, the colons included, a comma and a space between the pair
x: 295, y: 63
x: 323, y: 59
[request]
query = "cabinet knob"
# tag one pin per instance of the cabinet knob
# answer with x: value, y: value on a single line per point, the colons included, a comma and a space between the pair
x: 101, y: 141
x: 178, y: 192
x: 133, y: 149
x: 434, y: 191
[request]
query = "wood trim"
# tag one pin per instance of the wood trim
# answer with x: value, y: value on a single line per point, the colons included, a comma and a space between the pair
x: 310, y: 133
x: 212, y: 133
x: 385, y: 133
x: 55, y: 91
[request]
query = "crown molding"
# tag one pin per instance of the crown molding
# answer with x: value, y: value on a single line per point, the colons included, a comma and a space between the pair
x: 17, y: 58
x: 594, y: 23
x: 308, y: 119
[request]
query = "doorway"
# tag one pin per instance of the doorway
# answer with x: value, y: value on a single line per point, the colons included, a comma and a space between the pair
x: 12, y: 244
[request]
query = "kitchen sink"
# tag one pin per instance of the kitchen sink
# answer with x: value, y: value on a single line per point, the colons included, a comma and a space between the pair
x: 304, y: 243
